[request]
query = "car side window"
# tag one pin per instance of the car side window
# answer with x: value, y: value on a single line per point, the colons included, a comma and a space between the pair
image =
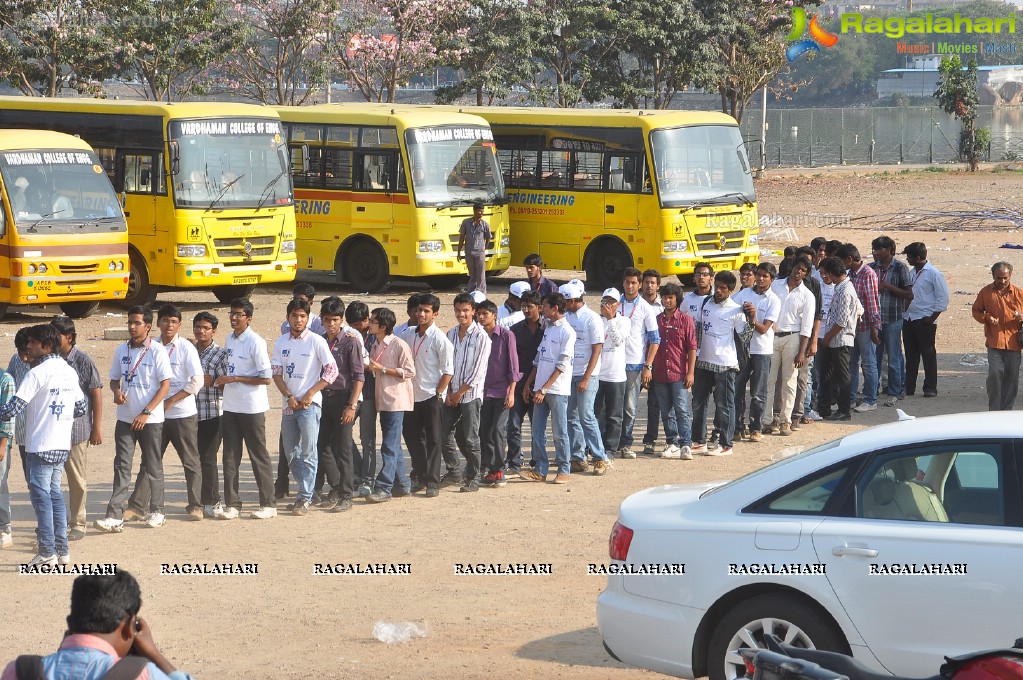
x: 808, y: 496
x: 934, y: 484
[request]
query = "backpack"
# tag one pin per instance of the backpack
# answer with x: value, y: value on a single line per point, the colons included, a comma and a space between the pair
x: 30, y: 667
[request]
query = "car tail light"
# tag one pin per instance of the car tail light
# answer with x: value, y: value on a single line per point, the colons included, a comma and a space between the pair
x: 621, y: 539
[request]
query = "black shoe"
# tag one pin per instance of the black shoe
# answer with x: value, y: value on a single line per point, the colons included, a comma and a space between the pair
x: 281, y: 493
x: 399, y: 492
x: 839, y: 415
x: 343, y: 505
x: 451, y: 478
x: 432, y: 492
x: 300, y: 508
x: 378, y: 497
x: 330, y: 501
x: 75, y: 535
x: 418, y: 486
x: 930, y: 394
x: 469, y: 486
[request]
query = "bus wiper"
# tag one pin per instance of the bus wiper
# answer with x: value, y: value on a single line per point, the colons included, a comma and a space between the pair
x: 715, y: 201
x: 223, y: 190
x: 268, y: 189
x: 32, y: 228
x: 95, y: 220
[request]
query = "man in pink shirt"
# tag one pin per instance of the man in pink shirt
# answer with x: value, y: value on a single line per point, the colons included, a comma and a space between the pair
x: 392, y: 363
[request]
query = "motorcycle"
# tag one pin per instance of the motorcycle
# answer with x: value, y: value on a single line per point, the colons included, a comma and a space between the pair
x: 785, y: 662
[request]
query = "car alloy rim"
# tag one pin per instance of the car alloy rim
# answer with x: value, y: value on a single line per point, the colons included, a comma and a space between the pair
x: 752, y: 635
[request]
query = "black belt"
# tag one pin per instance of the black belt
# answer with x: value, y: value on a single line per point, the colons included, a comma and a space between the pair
x: 782, y: 334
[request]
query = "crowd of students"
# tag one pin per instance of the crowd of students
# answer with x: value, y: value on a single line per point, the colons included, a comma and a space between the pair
x: 795, y: 337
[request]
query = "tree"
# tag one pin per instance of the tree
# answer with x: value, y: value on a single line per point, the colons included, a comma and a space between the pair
x: 496, y: 51
x: 380, y: 45
x: 665, y: 46
x: 47, y: 45
x: 751, y: 49
x: 281, y: 49
x: 570, y: 39
x: 168, y: 45
x: 957, y: 95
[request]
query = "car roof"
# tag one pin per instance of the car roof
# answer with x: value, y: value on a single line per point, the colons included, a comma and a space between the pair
x: 983, y: 424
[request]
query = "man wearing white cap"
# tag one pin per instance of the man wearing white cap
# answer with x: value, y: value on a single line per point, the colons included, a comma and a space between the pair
x: 640, y: 350
x: 477, y: 296
x: 583, y: 430
x: 510, y: 313
x: 611, y: 391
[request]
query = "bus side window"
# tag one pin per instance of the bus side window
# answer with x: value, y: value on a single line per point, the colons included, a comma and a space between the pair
x: 108, y: 157
x: 555, y: 168
x: 338, y: 165
x: 138, y: 174
x: 375, y: 174
x: 519, y: 167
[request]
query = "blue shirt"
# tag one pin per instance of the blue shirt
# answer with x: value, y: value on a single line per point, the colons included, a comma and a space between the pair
x: 87, y: 657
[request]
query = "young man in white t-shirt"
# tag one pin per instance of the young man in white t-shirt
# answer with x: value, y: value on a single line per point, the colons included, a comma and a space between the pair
x: 180, y: 414
x: 583, y: 430
x: 302, y: 366
x: 547, y: 386
x: 757, y: 368
x: 140, y: 377
x: 640, y: 349
x: 245, y: 406
x: 51, y: 399
x: 610, y: 404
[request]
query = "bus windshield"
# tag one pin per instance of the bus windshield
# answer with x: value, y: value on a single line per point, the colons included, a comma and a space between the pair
x: 453, y: 165
x: 61, y: 191
x: 229, y: 163
x: 701, y: 164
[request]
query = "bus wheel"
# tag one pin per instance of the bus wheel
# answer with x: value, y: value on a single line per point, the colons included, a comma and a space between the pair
x: 227, y: 293
x: 495, y: 274
x: 445, y: 281
x: 4, y: 306
x: 79, y: 310
x: 606, y: 265
x: 366, y: 267
x: 140, y: 291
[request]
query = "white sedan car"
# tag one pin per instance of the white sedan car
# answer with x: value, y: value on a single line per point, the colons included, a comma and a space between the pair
x: 899, y: 544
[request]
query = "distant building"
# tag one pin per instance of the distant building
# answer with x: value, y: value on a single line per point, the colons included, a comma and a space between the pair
x: 921, y: 79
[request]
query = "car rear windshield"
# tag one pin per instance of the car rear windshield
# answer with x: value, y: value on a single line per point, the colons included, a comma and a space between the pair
x: 784, y: 460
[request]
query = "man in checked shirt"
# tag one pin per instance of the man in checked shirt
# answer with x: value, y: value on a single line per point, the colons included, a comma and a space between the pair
x: 868, y: 328
x: 208, y: 403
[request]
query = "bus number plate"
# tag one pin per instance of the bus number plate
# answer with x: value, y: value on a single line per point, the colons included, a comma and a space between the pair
x: 245, y: 280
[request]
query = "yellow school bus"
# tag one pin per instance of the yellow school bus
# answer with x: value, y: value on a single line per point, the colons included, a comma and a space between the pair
x: 63, y: 239
x: 381, y: 190
x: 601, y: 190
x: 205, y: 188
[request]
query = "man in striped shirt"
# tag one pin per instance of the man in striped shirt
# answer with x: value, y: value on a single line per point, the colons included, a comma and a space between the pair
x: 465, y: 391
x: 868, y: 328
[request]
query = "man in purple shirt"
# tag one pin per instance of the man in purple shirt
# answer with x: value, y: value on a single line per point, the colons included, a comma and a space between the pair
x: 537, y: 281
x: 503, y: 375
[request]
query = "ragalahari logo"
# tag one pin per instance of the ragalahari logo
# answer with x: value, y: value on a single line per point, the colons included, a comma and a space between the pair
x: 818, y: 36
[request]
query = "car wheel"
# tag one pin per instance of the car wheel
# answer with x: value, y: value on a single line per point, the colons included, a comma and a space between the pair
x: 745, y: 626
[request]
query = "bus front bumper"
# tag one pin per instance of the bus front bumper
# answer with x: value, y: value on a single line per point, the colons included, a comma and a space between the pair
x: 439, y: 264
x: 683, y: 263
x: 201, y: 275
x: 36, y: 290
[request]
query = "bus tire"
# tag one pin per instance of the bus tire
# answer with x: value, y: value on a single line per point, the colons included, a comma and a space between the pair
x: 495, y: 274
x: 446, y: 281
x: 79, y: 310
x: 4, y: 306
x: 606, y: 264
x: 227, y: 293
x: 365, y: 267
x: 140, y: 291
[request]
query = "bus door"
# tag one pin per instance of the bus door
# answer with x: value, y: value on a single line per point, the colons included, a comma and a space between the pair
x: 376, y: 181
x: 142, y: 180
x: 6, y: 226
x: 624, y: 181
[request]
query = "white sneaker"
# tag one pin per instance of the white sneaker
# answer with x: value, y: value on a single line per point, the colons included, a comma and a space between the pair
x: 672, y: 452
x: 109, y: 525
x: 865, y: 407
x: 720, y: 452
x: 265, y: 512
x: 813, y: 415
x: 64, y: 559
x: 6, y: 539
x: 155, y: 519
x: 41, y: 560
x: 627, y: 452
x: 686, y: 453
x: 213, y: 510
x: 229, y: 513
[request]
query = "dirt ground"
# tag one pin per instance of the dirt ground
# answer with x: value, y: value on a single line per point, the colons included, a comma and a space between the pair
x: 286, y: 622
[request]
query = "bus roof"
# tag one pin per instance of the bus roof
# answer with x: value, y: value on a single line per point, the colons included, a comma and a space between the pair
x: 139, y: 107
x: 372, y: 113
x: 641, y: 118
x: 14, y: 140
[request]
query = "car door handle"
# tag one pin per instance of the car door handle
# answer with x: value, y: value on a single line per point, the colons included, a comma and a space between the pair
x: 609, y: 209
x: 845, y: 550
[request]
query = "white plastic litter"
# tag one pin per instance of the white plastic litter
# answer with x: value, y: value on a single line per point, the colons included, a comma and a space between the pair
x: 787, y: 452
x: 973, y: 360
x: 391, y: 633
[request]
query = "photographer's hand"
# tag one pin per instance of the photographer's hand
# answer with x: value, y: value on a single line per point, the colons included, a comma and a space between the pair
x: 145, y: 646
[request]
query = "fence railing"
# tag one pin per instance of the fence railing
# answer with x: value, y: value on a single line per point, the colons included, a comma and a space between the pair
x: 862, y: 136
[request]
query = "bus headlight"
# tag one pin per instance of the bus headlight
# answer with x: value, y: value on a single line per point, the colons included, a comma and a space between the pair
x: 42, y: 268
x: 31, y: 269
x: 505, y: 241
x: 191, y: 251
x: 287, y: 246
x: 676, y: 246
x: 120, y: 265
x: 431, y: 246
x: 112, y: 266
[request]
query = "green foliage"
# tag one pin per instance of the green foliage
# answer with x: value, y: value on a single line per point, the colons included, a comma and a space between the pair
x: 957, y: 95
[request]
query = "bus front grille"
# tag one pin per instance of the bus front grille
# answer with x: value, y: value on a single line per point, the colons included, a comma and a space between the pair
x: 245, y: 248
x: 718, y: 241
x: 453, y: 239
x: 79, y: 268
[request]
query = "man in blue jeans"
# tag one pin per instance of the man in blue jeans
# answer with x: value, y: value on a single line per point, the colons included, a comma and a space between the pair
x: 51, y: 399
x: 895, y: 294
x: 674, y: 373
x: 583, y: 430
x: 302, y: 366
x: 548, y: 387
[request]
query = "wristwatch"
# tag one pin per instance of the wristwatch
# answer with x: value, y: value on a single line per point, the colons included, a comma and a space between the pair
x: 543, y: 391
x: 648, y: 367
x: 146, y: 412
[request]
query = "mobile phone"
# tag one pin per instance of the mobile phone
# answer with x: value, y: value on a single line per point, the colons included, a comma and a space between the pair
x: 138, y: 625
